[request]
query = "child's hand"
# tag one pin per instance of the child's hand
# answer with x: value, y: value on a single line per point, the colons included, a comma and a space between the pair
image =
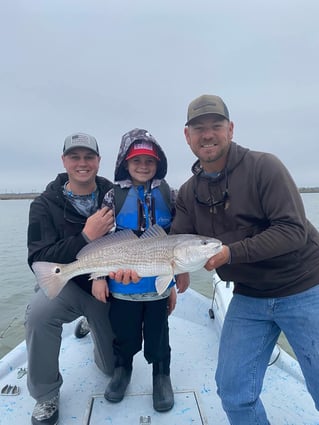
x: 125, y: 276
x: 182, y: 282
x: 100, y: 289
x: 171, y: 301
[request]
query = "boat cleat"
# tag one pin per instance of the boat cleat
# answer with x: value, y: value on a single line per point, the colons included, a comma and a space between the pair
x: 21, y: 372
x: 10, y: 390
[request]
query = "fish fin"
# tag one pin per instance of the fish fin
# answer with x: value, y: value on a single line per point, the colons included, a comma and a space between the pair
x: 154, y: 231
x: 48, y: 277
x: 103, y: 242
x: 162, y: 283
x: 96, y: 275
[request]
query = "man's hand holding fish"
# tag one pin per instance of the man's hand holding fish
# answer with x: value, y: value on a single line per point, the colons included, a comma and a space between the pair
x: 219, y: 259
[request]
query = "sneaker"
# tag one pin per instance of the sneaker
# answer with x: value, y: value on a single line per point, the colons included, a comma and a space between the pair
x: 82, y: 328
x: 46, y: 412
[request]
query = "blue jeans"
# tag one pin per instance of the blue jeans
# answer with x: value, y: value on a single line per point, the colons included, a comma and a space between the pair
x: 250, y: 332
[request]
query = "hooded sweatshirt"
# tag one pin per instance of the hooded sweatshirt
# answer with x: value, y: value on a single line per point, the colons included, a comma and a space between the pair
x: 255, y: 208
x: 139, y: 209
x: 55, y: 226
x: 158, y: 187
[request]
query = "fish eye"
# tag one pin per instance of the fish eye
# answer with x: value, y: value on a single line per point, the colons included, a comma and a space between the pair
x: 57, y: 270
x: 204, y: 242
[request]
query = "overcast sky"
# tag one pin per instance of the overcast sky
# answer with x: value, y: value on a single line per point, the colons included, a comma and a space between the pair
x: 107, y: 66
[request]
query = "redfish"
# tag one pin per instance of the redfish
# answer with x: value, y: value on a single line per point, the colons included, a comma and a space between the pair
x: 153, y: 254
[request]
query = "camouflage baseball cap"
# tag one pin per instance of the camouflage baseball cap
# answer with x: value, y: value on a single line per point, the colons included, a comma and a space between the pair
x: 206, y: 104
x: 80, y: 140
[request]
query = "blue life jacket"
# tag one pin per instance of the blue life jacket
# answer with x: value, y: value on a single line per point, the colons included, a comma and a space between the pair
x: 139, y: 211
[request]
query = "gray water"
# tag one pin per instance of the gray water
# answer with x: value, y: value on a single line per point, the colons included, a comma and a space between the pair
x: 17, y: 282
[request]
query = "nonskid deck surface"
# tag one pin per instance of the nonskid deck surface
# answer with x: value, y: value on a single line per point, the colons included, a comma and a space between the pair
x: 194, y: 341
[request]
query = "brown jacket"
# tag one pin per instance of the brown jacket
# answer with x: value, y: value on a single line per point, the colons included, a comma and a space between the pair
x: 274, y: 248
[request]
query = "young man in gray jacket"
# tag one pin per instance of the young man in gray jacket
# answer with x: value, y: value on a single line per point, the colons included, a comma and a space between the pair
x: 62, y: 220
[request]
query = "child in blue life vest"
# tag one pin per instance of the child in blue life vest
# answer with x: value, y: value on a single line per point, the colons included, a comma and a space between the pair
x: 140, y: 198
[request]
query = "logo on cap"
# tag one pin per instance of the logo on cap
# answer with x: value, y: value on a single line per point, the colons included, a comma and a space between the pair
x: 80, y: 140
x: 142, y: 148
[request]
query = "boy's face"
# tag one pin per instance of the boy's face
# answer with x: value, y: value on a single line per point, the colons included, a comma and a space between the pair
x: 141, y: 168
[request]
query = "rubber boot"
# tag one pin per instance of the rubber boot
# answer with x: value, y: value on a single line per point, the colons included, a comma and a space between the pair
x: 163, y: 396
x: 116, y: 388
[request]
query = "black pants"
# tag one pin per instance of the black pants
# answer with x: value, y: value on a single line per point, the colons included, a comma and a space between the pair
x: 133, y: 321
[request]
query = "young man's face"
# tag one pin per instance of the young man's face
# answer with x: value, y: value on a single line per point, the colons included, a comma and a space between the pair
x: 209, y: 138
x: 141, y: 168
x: 82, y: 165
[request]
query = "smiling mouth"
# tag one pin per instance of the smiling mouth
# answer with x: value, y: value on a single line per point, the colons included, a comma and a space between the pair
x: 211, y: 145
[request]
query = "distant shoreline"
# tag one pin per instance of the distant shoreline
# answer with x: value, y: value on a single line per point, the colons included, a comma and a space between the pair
x: 27, y: 195
x: 309, y: 189
x: 32, y: 195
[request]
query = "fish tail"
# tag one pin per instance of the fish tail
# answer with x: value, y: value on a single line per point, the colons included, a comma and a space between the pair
x: 49, y: 277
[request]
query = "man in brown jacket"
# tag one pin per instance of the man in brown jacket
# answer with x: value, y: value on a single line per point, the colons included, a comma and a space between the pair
x: 250, y: 202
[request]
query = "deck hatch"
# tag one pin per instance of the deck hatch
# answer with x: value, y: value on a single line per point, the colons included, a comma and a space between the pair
x: 185, y: 411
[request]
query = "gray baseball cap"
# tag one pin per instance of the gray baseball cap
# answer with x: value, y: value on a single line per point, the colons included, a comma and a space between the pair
x: 206, y: 104
x: 80, y: 140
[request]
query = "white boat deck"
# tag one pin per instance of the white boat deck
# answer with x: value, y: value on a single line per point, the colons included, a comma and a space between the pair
x: 194, y: 340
